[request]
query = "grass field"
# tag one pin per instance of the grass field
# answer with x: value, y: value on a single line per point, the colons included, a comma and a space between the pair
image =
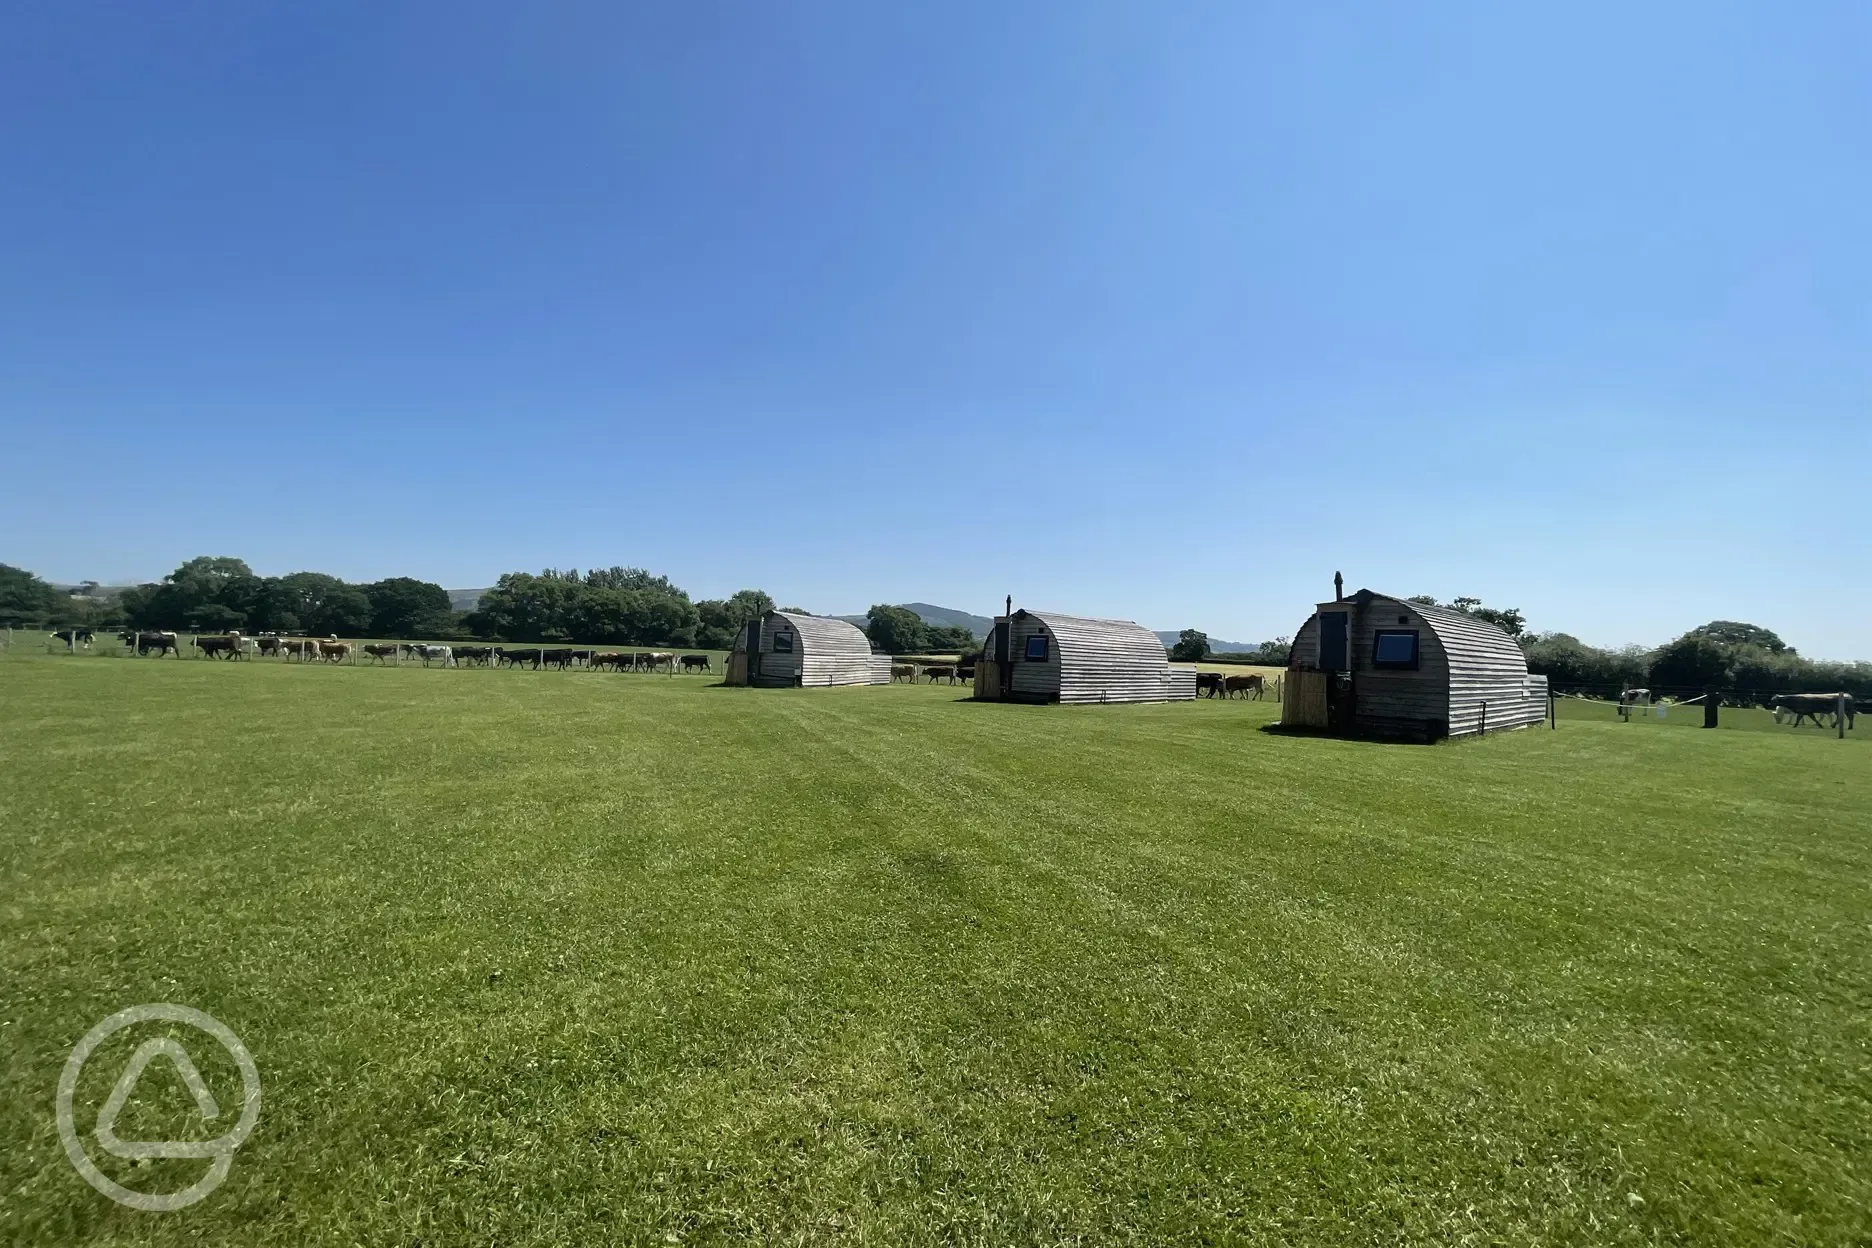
x: 580, y: 958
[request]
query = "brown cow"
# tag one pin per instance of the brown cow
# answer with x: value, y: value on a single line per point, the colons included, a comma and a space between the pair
x: 334, y: 651
x: 903, y: 671
x: 1249, y: 686
x: 229, y: 645
x: 944, y: 670
x: 382, y: 650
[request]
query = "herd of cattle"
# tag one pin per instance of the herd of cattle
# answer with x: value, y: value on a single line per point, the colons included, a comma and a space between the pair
x: 1216, y: 685
x: 332, y: 650
x: 954, y: 673
x: 1822, y: 709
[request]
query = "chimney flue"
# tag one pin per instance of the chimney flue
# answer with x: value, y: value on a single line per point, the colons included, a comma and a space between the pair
x: 1010, y: 605
x: 1338, y: 588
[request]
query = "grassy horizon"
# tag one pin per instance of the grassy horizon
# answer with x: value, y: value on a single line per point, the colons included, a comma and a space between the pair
x: 563, y: 958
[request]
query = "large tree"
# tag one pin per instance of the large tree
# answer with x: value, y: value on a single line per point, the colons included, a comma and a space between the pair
x: 1691, y: 663
x: 1191, y: 646
x: 950, y: 638
x: 1736, y: 633
x: 25, y: 600
x: 896, y: 630
x: 719, y: 619
x: 403, y: 606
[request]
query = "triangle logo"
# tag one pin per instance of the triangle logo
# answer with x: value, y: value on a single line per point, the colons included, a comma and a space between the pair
x: 146, y: 1053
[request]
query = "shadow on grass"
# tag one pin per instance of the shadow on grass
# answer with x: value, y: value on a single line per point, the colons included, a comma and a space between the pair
x: 1278, y: 729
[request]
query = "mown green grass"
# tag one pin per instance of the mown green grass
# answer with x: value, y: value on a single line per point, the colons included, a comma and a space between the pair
x: 579, y: 958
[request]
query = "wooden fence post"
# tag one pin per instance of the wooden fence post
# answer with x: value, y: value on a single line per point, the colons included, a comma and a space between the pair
x: 1839, y: 715
x: 1712, y: 701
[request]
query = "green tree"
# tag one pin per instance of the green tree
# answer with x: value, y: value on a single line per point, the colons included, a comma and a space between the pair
x: 1510, y: 621
x: 25, y: 600
x: 628, y: 578
x: 719, y: 620
x: 322, y: 604
x: 1735, y: 633
x: 402, y: 606
x: 1191, y: 647
x: 1271, y: 653
x: 1423, y: 600
x: 210, y: 572
x: 1690, y: 663
x: 950, y: 638
x: 896, y: 630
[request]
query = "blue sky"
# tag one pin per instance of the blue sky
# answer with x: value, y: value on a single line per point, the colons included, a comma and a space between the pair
x: 1156, y: 311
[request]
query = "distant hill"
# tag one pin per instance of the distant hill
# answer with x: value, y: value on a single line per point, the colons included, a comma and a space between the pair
x: 465, y: 599
x: 1216, y: 645
x: 978, y: 625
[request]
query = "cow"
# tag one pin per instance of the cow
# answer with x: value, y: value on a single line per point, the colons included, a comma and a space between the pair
x: 514, y: 658
x: 334, y: 651
x: 1812, y: 706
x: 303, y: 648
x: 474, y: 654
x: 697, y: 663
x: 445, y: 655
x: 75, y: 638
x: 381, y: 650
x: 606, y: 658
x: 270, y: 644
x: 904, y: 672
x: 1628, y: 698
x: 1248, y: 686
x: 561, y: 659
x: 230, y: 645
x: 162, y: 643
x: 662, y: 658
x: 945, y: 671
x: 1208, y: 684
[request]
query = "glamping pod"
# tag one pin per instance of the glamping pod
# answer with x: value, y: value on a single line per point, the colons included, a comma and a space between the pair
x: 1042, y: 656
x: 1374, y: 665
x: 783, y: 649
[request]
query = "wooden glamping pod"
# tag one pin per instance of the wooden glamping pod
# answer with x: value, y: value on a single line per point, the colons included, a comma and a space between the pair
x: 1372, y: 665
x: 1042, y: 656
x: 784, y: 648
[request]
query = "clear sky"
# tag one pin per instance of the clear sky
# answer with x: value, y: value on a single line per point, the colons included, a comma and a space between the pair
x: 1160, y: 311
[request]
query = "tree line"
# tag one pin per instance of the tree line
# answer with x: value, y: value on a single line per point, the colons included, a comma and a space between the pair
x: 601, y: 606
x: 629, y: 606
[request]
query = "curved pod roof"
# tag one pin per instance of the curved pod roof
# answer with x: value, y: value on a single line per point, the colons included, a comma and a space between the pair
x: 1107, y: 660
x: 832, y: 652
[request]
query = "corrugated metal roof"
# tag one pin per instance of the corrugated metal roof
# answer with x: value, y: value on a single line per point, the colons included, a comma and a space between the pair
x: 833, y: 652
x: 1109, y: 660
x: 1465, y: 637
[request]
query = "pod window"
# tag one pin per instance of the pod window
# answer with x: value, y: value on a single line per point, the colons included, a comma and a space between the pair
x: 1395, y: 649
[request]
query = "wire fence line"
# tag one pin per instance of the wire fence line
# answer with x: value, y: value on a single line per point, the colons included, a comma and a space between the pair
x: 1737, y: 696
